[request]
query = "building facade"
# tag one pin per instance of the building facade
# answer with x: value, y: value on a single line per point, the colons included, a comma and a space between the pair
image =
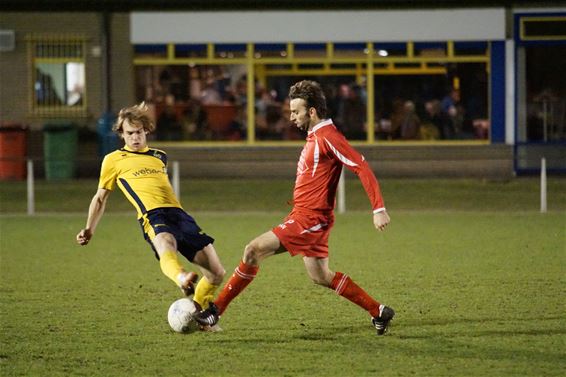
x: 464, y: 76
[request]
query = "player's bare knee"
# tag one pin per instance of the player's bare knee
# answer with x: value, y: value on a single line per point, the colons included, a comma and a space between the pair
x: 252, y: 253
x: 218, y: 276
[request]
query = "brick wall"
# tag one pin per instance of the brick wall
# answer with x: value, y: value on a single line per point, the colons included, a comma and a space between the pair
x: 15, y: 68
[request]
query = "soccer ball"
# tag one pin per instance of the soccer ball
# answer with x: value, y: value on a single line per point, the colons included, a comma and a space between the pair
x: 180, y: 316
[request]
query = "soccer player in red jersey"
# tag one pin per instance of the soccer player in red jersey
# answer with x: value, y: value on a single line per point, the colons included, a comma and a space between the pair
x: 306, y: 229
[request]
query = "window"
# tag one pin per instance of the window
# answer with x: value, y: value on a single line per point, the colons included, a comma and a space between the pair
x: 545, y: 100
x: 541, y: 92
x: 58, y: 79
x: 195, y: 101
x: 417, y: 91
x: 543, y: 28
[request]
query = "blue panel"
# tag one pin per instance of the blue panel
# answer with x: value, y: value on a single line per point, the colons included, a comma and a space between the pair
x: 350, y: 46
x: 191, y: 47
x: 270, y: 47
x: 393, y: 46
x: 230, y: 47
x: 150, y: 48
x: 310, y: 46
x: 498, y: 92
x: 430, y: 45
x: 477, y: 46
x: 528, y: 157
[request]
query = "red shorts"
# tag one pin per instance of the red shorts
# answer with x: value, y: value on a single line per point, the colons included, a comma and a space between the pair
x: 305, y: 233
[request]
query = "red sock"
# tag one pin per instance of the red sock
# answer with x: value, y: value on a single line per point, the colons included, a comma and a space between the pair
x: 346, y: 288
x: 242, y: 276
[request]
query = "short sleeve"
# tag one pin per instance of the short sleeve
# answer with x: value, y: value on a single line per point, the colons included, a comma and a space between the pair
x: 108, y: 174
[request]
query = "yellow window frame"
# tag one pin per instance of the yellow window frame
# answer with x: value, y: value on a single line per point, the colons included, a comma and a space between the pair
x: 55, y: 49
x: 525, y: 20
x: 256, y: 66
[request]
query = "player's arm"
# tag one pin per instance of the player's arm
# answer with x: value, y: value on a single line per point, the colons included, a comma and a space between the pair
x: 95, y: 212
x: 355, y: 162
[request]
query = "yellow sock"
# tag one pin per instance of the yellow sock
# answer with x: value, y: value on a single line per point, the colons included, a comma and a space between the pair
x: 170, y: 265
x: 204, y: 292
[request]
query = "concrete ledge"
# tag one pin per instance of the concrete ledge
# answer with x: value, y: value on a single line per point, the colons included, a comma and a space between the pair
x: 478, y: 161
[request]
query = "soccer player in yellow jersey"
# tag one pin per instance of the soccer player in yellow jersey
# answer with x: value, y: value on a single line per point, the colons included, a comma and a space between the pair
x: 141, y: 173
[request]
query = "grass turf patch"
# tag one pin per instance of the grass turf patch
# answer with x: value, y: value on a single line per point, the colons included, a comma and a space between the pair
x: 477, y: 293
x: 522, y: 194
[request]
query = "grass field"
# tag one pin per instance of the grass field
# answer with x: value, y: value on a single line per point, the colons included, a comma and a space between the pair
x: 475, y: 273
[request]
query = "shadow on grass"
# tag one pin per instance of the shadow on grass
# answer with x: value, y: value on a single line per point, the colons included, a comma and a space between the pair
x: 269, y: 335
x: 486, y: 333
x: 437, y: 327
x: 495, y: 339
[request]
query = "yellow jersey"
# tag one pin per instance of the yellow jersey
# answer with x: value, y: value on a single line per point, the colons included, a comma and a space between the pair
x: 142, y: 177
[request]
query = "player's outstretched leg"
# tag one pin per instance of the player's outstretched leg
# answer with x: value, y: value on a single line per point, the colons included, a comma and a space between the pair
x: 242, y: 276
x: 258, y: 249
x: 347, y: 288
x: 381, y: 322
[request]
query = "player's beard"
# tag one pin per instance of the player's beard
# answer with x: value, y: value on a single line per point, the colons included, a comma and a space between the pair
x: 305, y: 125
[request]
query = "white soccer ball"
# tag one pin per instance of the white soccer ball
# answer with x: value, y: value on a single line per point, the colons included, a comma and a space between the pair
x: 180, y: 316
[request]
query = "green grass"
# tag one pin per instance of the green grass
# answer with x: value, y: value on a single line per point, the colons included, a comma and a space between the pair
x: 522, y: 194
x: 475, y: 273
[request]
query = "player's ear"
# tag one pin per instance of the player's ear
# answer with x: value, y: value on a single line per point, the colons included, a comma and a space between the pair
x: 312, y: 112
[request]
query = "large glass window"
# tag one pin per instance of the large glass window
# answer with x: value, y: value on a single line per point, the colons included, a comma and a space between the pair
x: 345, y: 98
x: 58, y: 75
x: 541, y: 91
x: 448, y: 106
x: 451, y: 104
x: 417, y: 91
x: 545, y: 93
x: 195, y: 102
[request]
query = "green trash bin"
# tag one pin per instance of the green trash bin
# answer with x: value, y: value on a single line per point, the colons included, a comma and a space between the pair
x: 60, y: 150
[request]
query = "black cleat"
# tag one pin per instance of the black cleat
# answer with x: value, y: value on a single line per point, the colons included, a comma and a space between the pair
x: 208, y: 317
x: 381, y: 323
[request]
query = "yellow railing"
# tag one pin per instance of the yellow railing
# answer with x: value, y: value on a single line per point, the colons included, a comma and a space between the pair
x: 365, y: 63
x: 290, y: 55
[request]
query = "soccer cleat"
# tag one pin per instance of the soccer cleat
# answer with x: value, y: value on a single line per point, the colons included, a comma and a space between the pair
x: 381, y: 323
x: 188, y: 280
x: 208, y: 317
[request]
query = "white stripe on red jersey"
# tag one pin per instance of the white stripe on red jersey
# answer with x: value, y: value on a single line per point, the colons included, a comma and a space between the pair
x: 319, y: 167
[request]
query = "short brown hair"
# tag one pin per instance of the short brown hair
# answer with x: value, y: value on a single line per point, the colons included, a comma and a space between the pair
x: 312, y: 93
x: 137, y: 114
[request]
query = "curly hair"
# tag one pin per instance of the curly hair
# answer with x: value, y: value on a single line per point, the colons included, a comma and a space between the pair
x: 137, y: 114
x: 312, y: 93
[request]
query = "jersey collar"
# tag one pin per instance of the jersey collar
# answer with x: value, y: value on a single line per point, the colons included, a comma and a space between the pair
x: 140, y: 151
x: 326, y: 122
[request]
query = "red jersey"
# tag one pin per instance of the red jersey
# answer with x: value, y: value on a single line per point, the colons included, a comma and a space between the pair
x: 319, y: 167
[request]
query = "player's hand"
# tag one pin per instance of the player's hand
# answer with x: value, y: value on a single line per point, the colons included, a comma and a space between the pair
x: 381, y: 220
x: 84, y: 236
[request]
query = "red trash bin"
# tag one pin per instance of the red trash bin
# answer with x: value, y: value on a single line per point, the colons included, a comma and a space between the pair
x: 13, y: 151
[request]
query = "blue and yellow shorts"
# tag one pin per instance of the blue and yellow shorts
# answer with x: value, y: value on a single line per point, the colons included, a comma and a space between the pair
x: 190, y: 237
